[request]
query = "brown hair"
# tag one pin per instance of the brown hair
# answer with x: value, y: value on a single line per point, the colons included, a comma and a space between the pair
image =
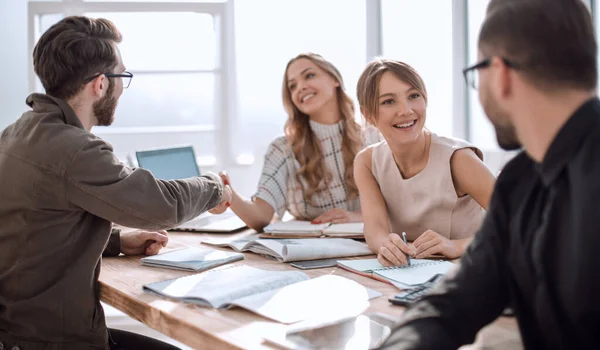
x: 551, y: 40
x: 72, y: 50
x: 367, y: 88
x: 306, y: 146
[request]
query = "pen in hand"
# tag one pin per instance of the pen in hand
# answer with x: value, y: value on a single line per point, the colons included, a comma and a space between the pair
x: 404, y: 239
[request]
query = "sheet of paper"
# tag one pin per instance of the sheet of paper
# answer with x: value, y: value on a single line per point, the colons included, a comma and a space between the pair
x: 362, y: 265
x: 325, y: 297
x: 420, y: 271
x: 220, y: 287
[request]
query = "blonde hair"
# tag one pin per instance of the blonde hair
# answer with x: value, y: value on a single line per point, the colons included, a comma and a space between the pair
x: 306, y: 147
x: 367, y: 89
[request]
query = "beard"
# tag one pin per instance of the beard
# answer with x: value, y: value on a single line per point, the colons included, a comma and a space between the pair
x: 506, y: 135
x: 104, y: 109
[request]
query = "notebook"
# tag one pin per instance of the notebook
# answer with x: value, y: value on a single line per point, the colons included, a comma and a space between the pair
x: 192, y: 259
x: 291, y: 249
x: 283, y: 296
x: 403, y: 277
x: 304, y: 229
x: 180, y: 163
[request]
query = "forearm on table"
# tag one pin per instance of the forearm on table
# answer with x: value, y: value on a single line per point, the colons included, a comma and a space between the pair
x: 375, y: 236
x: 251, y: 212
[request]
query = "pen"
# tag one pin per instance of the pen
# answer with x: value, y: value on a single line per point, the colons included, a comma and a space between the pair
x: 404, y: 239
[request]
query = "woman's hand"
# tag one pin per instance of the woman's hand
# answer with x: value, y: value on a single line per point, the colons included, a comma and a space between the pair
x: 431, y: 242
x: 337, y: 216
x: 393, y: 251
x: 227, y: 195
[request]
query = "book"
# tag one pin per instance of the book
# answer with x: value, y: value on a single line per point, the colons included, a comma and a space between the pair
x: 304, y: 229
x: 289, y: 250
x: 283, y: 296
x: 403, y: 277
x: 192, y: 259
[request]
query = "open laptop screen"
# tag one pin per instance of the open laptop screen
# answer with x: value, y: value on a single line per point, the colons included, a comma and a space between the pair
x: 169, y: 163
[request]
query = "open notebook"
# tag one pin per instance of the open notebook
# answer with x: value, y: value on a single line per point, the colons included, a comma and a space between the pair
x: 192, y: 259
x: 403, y: 277
x: 290, y: 250
x: 304, y: 229
x: 283, y: 296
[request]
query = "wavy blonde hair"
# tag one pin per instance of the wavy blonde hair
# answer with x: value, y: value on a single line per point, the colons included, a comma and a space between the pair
x: 306, y: 147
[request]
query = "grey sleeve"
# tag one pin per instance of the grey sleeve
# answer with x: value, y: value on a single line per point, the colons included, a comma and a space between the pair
x: 99, y: 183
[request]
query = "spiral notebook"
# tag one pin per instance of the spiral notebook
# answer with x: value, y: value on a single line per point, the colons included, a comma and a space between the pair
x: 403, y: 277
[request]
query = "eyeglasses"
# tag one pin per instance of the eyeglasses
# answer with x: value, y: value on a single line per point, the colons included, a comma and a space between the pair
x: 470, y: 73
x: 126, y: 76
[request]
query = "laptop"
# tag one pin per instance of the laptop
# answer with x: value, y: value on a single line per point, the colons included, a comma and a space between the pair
x: 180, y: 163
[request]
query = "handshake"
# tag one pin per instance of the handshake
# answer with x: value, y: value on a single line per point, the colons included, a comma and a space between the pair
x: 227, y: 195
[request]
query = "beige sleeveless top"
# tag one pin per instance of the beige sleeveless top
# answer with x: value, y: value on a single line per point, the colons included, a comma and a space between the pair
x: 428, y: 200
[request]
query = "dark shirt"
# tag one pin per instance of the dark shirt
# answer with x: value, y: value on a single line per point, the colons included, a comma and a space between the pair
x: 62, y: 188
x: 536, y: 251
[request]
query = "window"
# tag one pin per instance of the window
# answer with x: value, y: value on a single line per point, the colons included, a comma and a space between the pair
x: 266, y: 41
x: 176, y: 96
x: 481, y: 130
x: 209, y: 72
x: 416, y: 34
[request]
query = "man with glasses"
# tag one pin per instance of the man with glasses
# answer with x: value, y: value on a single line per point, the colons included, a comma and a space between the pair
x: 537, y: 248
x: 62, y: 188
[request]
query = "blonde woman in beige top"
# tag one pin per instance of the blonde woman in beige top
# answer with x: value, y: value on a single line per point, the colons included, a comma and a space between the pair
x: 434, y: 188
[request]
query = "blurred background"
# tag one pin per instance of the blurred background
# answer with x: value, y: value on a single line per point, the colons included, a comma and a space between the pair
x: 209, y: 73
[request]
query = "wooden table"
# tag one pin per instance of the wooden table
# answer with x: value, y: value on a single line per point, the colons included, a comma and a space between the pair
x: 122, y: 278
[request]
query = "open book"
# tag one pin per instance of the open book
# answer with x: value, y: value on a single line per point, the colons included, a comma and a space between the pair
x: 283, y: 296
x: 303, y: 229
x: 289, y: 250
x: 192, y: 259
x: 403, y: 277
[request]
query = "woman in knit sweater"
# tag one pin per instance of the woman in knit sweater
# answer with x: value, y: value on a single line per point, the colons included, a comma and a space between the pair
x: 309, y: 170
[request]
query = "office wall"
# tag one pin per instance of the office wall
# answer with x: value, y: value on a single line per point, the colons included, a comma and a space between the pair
x: 13, y: 60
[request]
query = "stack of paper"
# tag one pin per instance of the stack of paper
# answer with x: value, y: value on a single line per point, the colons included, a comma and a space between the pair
x: 192, y: 259
x: 284, y: 296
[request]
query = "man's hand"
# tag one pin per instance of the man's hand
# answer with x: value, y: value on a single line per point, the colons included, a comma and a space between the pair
x: 227, y: 195
x: 337, y: 216
x: 431, y: 242
x: 143, y: 242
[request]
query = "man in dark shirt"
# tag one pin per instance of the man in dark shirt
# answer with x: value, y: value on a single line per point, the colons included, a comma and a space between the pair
x: 62, y: 188
x: 537, y: 248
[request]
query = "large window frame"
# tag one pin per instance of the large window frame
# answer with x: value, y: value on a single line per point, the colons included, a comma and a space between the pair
x: 460, y: 96
x: 226, y: 87
x: 224, y: 70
